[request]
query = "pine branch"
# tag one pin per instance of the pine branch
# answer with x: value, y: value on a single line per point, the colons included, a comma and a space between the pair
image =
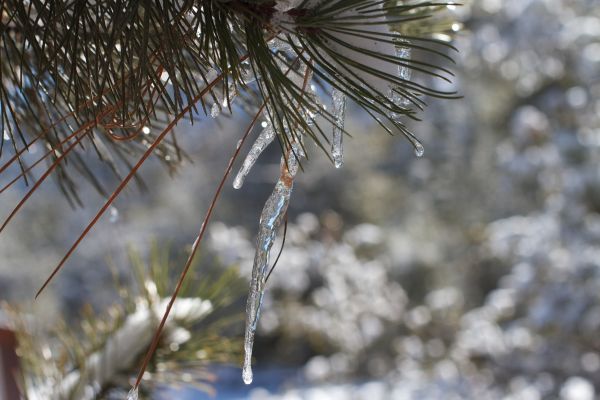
x: 124, y: 69
x: 117, y: 77
x: 103, y: 351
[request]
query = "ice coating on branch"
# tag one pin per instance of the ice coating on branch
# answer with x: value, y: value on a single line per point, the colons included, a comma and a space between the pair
x: 133, y: 394
x: 339, y: 113
x: 271, y: 218
x: 264, y: 139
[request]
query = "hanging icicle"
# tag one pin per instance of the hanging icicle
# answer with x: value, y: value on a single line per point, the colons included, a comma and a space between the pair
x: 270, y: 220
x: 264, y: 139
x: 276, y: 206
x: 403, y: 54
x: 339, y: 113
x: 267, y: 135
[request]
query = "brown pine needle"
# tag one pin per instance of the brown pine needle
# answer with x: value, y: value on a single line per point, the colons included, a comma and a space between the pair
x: 126, y: 180
x: 84, y: 129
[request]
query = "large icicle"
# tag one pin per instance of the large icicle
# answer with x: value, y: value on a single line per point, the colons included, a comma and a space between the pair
x: 339, y: 113
x: 270, y: 220
x: 264, y: 139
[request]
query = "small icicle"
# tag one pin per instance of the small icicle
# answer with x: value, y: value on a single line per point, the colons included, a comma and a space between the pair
x: 339, y: 113
x: 133, y: 394
x: 268, y: 134
x: 264, y: 139
x: 271, y: 218
x: 404, y: 55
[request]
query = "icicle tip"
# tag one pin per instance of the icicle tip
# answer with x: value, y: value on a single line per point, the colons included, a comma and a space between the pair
x: 247, y: 375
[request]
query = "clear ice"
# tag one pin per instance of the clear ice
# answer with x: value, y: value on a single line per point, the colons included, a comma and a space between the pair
x: 283, y: 46
x: 339, y: 114
x: 133, y: 394
x: 404, y: 54
x: 419, y: 149
x: 219, y: 105
x: 271, y: 218
x: 247, y: 77
x: 113, y: 214
x: 264, y: 139
x: 215, y: 110
x: 267, y: 135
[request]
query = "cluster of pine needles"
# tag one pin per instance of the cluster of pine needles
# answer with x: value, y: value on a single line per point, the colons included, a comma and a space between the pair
x: 94, y: 357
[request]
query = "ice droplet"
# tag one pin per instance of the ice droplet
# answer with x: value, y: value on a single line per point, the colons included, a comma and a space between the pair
x: 264, y: 139
x: 419, y: 149
x: 271, y: 218
x: 339, y: 113
x: 113, y: 214
x: 133, y: 394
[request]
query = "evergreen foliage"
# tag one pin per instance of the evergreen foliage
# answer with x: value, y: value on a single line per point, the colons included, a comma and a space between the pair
x: 98, y: 355
x: 77, y: 73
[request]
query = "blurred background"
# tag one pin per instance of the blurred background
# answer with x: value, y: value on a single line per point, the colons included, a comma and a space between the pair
x: 470, y: 273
